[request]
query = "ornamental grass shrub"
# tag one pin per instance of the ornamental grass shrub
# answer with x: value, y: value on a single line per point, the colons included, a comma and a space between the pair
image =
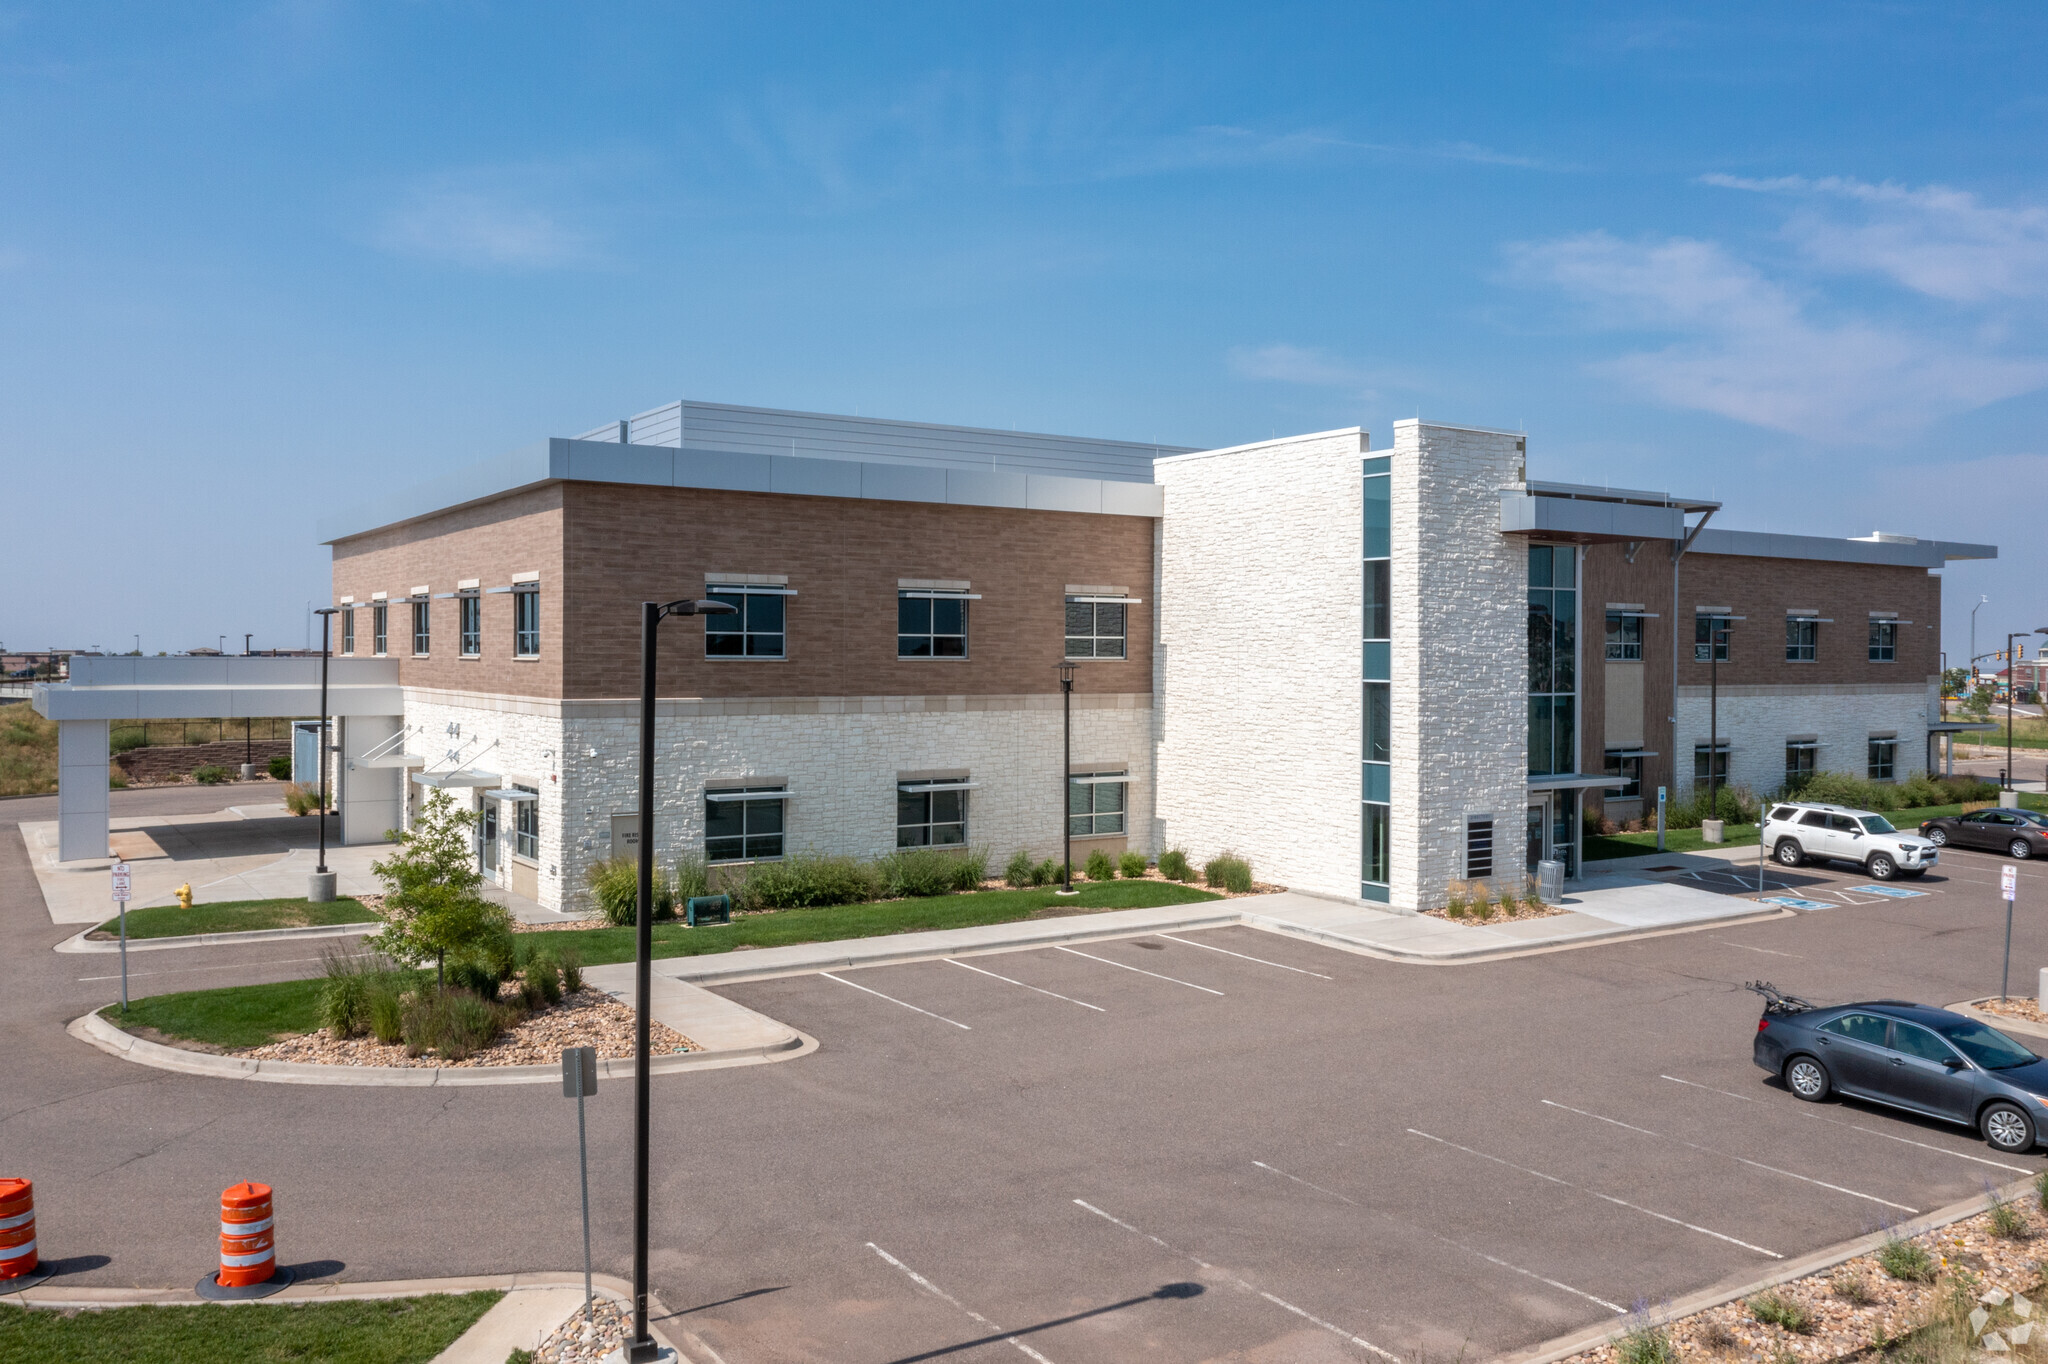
x: 615, y: 886
x: 1017, y: 871
x: 1048, y: 873
x: 301, y: 799
x: 1916, y: 792
x: 1230, y: 872
x: 1098, y: 866
x: 807, y: 880
x: 911, y: 872
x: 211, y: 774
x: 454, y: 1024
x: 355, y: 987
x: 1131, y: 865
x: 1174, y: 865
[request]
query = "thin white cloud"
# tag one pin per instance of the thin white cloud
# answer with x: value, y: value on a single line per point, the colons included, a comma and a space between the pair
x: 479, y: 230
x: 1311, y: 367
x: 1934, y: 240
x: 1755, y: 350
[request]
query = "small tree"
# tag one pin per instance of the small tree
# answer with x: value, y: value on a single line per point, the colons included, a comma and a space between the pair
x: 433, y: 903
x: 1977, y: 704
x: 1953, y: 680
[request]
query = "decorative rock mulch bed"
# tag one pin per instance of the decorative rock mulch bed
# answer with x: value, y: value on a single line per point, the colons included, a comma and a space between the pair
x: 587, y: 1018
x: 2014, y: 1006
x: 1856, y: 1307
x: 586, y: 1340
x: 1522, y: 910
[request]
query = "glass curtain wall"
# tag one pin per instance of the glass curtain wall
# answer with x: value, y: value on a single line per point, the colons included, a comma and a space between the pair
x: 1553, y: 659
x: 1378, y: 716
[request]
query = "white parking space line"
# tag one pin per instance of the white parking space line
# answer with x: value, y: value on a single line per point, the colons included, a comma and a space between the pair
x: 928, y: 1286
x: 1753, y: 1164
x: 978, y: 971
x: 1206, y: 947
x: 1610, y: 1198
x: 1765, y: 950
x: 1616, y: 1308
x: 188, y: 970
x: 1837, y: 1122
x: 1334, y: 1330
x: 893, y: 1000
x: 1154, y: 974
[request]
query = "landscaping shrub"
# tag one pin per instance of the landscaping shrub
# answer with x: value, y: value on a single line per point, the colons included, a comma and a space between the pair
x: 1853, y: 1288
x: 386, y: 1013
x: 451, y: 1023
x: 344, y: 995
x: 212, y: 774
x: 540, y: 984
x: 1454, y: 900
x: 1903, y: 1259
x: 474, y: 977
x: 615, y: 885
x: 300, y: 799
x: 2008, y: 1221
x: 1099, y: 867
x: 1775, y: 1309
x: 572, y: 969
x: 2041, y: 1189
x: 1017, y: 873
x: 1131, y: 865
x: 1230, y: 872
x: 280, y: 767
x: 1049, y: 873
x: 1646, y: 1343
x: 1916, y: 792
x: 1173, y: 865
x: 932, y: 871
x: 692, y: 880
x: 806, y: 881
x: 1732, y: 804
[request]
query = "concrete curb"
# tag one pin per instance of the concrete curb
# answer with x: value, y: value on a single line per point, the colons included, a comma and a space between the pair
x: 77, y: 942
x: 1968, y: 1009
x: 1728, y: 1290
x: 98, y: 1032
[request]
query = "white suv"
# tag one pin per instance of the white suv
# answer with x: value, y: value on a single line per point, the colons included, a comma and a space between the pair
x: 1796, y: 830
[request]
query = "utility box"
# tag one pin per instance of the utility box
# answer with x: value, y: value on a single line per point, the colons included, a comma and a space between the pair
x: 1550, y: 881
x: 708, y: 909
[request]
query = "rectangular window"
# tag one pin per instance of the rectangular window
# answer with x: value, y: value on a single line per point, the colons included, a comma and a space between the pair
x: 1884, y: 641
x: 526, y: 826
x: 1553, y: 651
x: 1478, y: 849
x: 380, y: 616
x: 754, y: 630
x: 1801, y: 637
x: 1379, y: 508
x: 1377, y: 868
x: 469, y: 618
x: 1378, y: 595
x: 348, y: 631
x: 743, y: 824
x: 1883, y: 753
x: 1624, y: 638
x: 931, y: 625
x: 1627, y: 771
x: 1700, y: 766
x: 1703, y: 636
x: 1095, y: 803
x: 420, y: 636
x: 1095, y: 629
x: 928, y: 818
x: 1801, y: 761
x: 526, y: 621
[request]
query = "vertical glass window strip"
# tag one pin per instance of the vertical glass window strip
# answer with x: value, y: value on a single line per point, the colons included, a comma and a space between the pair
x: 1624, y: 638
x: 379, y: 632
x: 1883, y: 752
x: 1801, y: 636
x: 348, y: 632
x: 421, y: 636
x: 931, y: 819
x: 931, y: 626
x: 1376, y: 728
x: 469, y: 611
x: 526, y: 827
x: 1553, y: 659
x: 1095, y: 807
x: 754, y: 630
x: 1884, y: 641
x: 526, y: 622
x: 1095, y: 629
x: 743, y: 825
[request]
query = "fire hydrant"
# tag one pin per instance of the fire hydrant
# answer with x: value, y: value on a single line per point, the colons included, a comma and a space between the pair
x: 184, y: 893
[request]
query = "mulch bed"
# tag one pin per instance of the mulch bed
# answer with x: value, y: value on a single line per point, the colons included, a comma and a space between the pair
x: 582, y: 1340
x: 587, y: 1018
x: 2014, y: 1006
x: 1522, y: 911
x: 1968, y: 1253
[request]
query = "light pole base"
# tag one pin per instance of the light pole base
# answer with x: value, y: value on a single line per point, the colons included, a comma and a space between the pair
x: 2009, y: 797
x: 662, y: 1355
x: 1066, y: 892
x: 320, y: 887
x: 248, y: 771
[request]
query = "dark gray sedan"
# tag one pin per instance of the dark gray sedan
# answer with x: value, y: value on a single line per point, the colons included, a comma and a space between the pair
x: 1908, y: 1056
x: 2016, y: 833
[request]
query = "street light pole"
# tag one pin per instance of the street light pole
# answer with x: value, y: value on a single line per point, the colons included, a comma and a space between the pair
x: 323, y: 880
x: 1067, y: 775
x: 641, y: 1348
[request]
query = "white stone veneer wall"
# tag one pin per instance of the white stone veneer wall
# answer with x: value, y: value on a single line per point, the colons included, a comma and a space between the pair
x: 1755, y: 722
x: 1258, y: 663
x: 840, y: 759
x: 1461, y: 656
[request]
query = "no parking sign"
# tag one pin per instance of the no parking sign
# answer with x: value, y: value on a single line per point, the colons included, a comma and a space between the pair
x: 2009, y: 882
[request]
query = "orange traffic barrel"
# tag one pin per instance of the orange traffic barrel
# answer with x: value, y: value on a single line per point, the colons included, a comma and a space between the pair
x: 248, y: 1253
x: 17, y: 1228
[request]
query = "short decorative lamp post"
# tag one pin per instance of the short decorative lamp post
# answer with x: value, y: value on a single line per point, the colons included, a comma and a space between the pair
x: 642, y: 1348
x: 1067, y: 776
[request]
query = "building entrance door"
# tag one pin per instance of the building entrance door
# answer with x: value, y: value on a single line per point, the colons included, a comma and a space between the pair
x: 487, y: 838
x: 1535, y: 840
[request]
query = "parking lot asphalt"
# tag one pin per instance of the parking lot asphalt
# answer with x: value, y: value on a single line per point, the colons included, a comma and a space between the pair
x: 1209, y: 1145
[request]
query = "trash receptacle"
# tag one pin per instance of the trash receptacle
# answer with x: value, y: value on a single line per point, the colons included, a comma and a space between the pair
x: 1550, y: 881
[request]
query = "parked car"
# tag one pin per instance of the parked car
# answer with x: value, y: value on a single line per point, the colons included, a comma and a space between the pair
x: 1796, y: 831
x: 2016, y: 833
x: 1908, y: 1056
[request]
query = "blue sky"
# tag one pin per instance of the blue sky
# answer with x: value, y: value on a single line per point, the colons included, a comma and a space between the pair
x: 257, y: 256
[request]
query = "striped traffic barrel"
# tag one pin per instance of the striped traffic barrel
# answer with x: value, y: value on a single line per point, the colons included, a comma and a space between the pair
x: 17, y: 1228
x: 248, y: 1253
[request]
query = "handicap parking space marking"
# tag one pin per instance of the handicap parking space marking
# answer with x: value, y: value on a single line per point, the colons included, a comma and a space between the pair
x: 1805, y: 1112
x: 1189, y: 942
x: 1616, y: 1308
x: 1154, y: 974
x: 1055, y: 994
x: 1754, y: 1164
x: 1891, y: 892
x: 1793, y: 902
x: 942, y: 1295
x: 1609, y: 1198
x: 893, y: 1000
x: 1235, y: 1281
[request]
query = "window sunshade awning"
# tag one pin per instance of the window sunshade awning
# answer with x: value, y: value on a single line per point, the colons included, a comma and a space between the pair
x: 452, y: 780
x: 510, y: 793
x: 1570, y: 781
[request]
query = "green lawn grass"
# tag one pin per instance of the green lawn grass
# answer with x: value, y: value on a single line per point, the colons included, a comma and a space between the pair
x: 391, y: 1331
x: 1602, y: 846
x: 238, y: 916
x: 251, y: 1015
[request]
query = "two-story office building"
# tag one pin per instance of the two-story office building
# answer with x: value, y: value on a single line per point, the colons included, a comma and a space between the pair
x: 1369, y: 671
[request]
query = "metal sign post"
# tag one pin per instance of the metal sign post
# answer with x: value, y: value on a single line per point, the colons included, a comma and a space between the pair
x: 1660, y: 818
x: 579, y: 1081
x: 2009, y: 887
x: 124, y: 887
